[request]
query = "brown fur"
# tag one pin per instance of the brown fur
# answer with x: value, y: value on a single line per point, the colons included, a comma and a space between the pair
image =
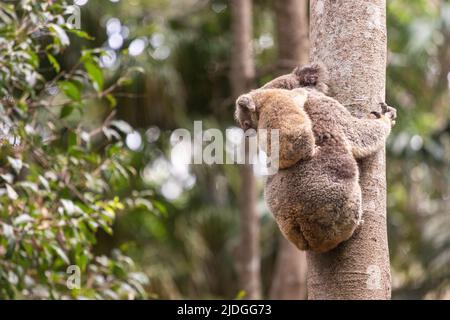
x: 295, y: 128
x: 321, y: 197
x: 317, y: 200
x: 312, y: 76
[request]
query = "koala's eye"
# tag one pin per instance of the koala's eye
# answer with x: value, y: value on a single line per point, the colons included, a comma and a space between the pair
x: 244, y: 110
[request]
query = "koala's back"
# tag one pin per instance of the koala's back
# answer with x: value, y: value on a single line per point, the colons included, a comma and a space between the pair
x: 335, y: 158
x: 317, y: 201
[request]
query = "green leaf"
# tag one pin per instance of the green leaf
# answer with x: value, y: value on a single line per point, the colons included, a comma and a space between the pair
x: 61, y: 254
x: 8, y: 177
x: 112, y: 100
x: 12, y: 194
x: 61, y: 35
x: 81, y: 34
x: 66, y: 111
x: 16, y: 164
x: 8, y: 231
x: 69, y: 206
x: 240, y: 295
x: 124, y: 81
x: 28, y: 185
x: 70, y: 90
x: 54, y: 62
x: 113, y: 150
x: 72, y: 140
x: 34, y: 59
x: 44, y: 182
x: 22, y: 219
x: 11, y: 248
x: 95, y: 74
x: 160, y: 206
x: 82, y: 261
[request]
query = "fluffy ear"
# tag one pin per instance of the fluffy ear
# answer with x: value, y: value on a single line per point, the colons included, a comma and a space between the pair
x: 246, y: 102
x: 310, y: 76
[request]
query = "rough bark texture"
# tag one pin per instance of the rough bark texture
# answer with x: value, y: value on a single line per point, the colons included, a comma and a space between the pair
x: 242, y: 75
x: 349, y: 37
x: 289, y: 279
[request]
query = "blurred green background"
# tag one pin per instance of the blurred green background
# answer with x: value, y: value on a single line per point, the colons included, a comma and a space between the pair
x: 180, y: 225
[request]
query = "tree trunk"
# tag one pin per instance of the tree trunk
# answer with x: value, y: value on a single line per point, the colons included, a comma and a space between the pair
x: 242, y: 76
x: 292, y: 33
x: 289, y: 279
x: 349, y: 37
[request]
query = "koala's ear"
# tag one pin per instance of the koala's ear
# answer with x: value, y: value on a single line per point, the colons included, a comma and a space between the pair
x: 311, y: 75
x: 246, y: 102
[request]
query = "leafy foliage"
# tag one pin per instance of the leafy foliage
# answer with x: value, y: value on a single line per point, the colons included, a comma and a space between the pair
x: 59, y: 177
x: 418, y: 84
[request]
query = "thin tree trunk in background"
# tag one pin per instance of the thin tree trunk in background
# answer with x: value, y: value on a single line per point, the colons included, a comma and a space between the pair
x: 349, y: 37
x: 292, y: 33
x: 242, y: 76
x: 289, y: 278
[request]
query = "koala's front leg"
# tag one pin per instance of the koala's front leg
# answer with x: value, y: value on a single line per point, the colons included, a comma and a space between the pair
x: 367, y: 136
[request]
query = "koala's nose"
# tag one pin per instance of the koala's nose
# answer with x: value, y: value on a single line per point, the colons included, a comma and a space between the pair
x: 246, y: 125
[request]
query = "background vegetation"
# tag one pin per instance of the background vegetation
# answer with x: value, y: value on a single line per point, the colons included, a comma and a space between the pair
x: 86, y: 173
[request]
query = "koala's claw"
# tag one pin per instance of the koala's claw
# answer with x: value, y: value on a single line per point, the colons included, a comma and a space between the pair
x: 376, y: 114
x: 389, y: 111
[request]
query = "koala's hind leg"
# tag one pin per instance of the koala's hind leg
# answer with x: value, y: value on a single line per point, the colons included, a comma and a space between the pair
x: 332, y: 223
x: 290, y: 227
x: 368, y: 135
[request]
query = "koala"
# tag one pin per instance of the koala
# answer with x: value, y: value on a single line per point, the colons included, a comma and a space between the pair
x: 309, y: 77
x: 313, y: 76
x: 315, y: 197
x: 283, y: 110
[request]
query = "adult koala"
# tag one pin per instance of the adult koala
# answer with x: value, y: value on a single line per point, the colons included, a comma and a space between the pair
x: 315, y: 197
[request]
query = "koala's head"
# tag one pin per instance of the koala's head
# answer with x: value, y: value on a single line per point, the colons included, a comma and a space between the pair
x: 245, y: 113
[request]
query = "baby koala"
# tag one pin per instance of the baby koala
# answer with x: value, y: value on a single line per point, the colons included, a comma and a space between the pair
x: 316, y: 197
x: 282, y: 110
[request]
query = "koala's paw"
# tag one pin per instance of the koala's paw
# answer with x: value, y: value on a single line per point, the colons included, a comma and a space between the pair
x: 391, y: 112
x: 387, y: 112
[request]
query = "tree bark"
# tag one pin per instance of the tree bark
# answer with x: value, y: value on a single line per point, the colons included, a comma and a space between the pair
x: 242, y: 76
x: 349, y: 37
x: 289, y: 278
